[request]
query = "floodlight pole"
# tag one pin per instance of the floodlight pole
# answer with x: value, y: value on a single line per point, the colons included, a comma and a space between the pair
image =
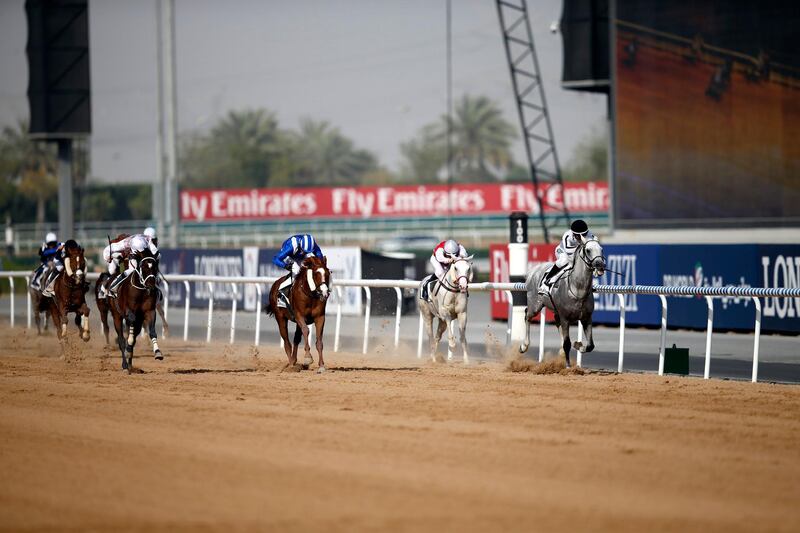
x: 66, y: 220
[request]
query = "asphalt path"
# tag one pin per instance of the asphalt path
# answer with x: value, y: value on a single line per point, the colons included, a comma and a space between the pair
x: 731, y: 353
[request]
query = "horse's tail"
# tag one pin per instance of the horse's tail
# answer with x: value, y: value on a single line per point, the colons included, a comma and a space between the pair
x: 268, y: 309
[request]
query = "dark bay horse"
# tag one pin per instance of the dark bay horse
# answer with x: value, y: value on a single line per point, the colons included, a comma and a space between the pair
x: 104, y: 307
x: 308, y: 298
x: 571, y: 298
x: 135, y: 306
x: 69, y: 293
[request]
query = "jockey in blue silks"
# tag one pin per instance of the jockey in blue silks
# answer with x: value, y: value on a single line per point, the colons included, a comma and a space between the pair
x: 290, y: 257
x: 49, y: 255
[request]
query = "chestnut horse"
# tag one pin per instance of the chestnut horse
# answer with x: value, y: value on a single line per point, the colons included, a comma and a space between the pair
x: 69, y: 293
x: 104, y: 307
x: 135, y: 306
x: 308, y: 298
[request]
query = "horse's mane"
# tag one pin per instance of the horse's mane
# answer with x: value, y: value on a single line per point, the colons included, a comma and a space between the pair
x: 72, y: 246
x: 314, y: 262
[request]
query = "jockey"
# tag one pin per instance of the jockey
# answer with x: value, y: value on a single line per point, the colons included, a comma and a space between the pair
x: 48, y: 252
x: 577, y: 234
x: 442, y: 257
x: 130, y: 247
x: 291, y: 255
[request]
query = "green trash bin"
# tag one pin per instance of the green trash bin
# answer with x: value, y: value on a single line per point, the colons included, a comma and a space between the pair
x: 676, y: 361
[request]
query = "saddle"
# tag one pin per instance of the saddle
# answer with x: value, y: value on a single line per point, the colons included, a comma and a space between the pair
x: 428, y: 288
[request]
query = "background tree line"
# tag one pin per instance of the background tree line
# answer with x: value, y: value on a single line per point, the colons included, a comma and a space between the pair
x: 248, y: 148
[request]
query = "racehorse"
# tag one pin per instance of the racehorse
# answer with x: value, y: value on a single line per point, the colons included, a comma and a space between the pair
x: 447, y: 301
x: 307, y: 301
x: 104, y: 307
x: 571, y: 297
x: 69, y: 293
x: 135, y: 306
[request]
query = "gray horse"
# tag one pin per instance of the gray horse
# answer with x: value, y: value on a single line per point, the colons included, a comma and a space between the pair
x: 447, y: 301
x: 571, y: 298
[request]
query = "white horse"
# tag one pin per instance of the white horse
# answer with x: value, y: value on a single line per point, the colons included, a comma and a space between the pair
x: 447, y: 301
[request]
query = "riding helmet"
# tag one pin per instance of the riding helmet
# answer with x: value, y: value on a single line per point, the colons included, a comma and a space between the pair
x: 451, y: 247
x: 51, y: 238
x: 579, y: 227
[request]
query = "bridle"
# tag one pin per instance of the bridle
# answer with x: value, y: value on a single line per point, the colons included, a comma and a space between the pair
x: 142, y: 278
x: 582, y: 254
x: 73, y: 278
x: 448, y: 285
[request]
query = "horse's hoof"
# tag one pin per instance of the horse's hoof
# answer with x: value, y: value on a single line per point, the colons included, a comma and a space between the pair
x: 578, y: 346
x: 308, y: 361
x: 85, y: 337
x: 523, y: 348
x: 321, y: 370
x: 158, y: 355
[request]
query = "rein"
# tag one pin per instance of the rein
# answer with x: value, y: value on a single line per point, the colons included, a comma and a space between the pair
x: 448, y: 285
x: 142, y: 277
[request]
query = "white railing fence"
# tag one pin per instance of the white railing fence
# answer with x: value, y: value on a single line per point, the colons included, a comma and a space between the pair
x: 708, y: 292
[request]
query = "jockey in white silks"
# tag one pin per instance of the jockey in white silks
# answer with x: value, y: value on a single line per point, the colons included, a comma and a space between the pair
x: 442, y: 257
x: 129, y: 247
x: 577, y: 234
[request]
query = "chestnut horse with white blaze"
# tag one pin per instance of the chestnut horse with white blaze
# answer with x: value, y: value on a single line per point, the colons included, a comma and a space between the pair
x: 308, y: 299
x: 69, y: 293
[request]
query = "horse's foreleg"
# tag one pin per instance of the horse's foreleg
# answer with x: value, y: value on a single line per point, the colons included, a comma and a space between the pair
x: 587, y: 330
x: 131, y: 340
x: 319, y: 326
x: 462, y: 327
x: 84, y: 313
x: 165, y: 328
x: 151, y: 328
x: 104, y: 323
x: 298, y: 336
x: 451, y: 339
x: 563, y: 329
x: 307, y: 359
x: 441, y: 326
x: 64, y: 321
x: 119, y: 328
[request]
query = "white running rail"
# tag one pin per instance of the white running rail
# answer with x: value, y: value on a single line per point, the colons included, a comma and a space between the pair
x: 708, y: 292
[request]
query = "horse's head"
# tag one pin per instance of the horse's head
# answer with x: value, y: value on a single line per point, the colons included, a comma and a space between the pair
x: 592, y: 255
x: 74, y: 261
x: 317, y: 275
x: 147, y: 269
x: 461, y: 272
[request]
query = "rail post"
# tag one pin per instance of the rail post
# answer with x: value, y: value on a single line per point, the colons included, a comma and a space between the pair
x: 338, y: 318
x: 233, y: 311
x: 757, y: 338
x: 367, y: 312
x: 710, y: 303
x: 11, y: 283
x: 210, y: 309
x: 663, y: 344
x: 510, y: 297
x: 621, y: 331
x: 517, y: 268
x: 398, y: 312
x: 28, y: 293
x: 188, y: 290
x: 258, y: 314
x: 166, y: 307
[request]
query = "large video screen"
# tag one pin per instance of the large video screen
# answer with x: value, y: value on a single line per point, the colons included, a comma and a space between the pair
x: 707, y: 113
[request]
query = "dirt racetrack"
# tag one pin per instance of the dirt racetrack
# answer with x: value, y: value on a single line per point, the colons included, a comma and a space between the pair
x: 217, y: 438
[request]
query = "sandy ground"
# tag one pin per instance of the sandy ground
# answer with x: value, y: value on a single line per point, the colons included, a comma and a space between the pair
x: 218, y: 438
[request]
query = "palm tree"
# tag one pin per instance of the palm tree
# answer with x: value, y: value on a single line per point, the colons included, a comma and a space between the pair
x: 323, y: 156
x: 29, y: 166
x: 481, y: 138
x: 245, y: 149
x: 424, y: 156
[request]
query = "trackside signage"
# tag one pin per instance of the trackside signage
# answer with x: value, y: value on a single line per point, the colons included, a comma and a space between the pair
x: 203, y: 205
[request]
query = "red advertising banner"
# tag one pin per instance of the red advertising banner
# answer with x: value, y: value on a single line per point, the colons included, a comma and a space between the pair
x: 203, y: 205
x: 498, y: 272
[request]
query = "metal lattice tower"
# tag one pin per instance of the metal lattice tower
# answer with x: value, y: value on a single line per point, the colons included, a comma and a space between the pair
x: 532, y: 107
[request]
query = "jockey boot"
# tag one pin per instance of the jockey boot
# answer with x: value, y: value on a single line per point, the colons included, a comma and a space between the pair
x: 423, y: 295
x: 546, y: 285
x: 284, y: 296
x: 112, y: 289
x: 49, y: 283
